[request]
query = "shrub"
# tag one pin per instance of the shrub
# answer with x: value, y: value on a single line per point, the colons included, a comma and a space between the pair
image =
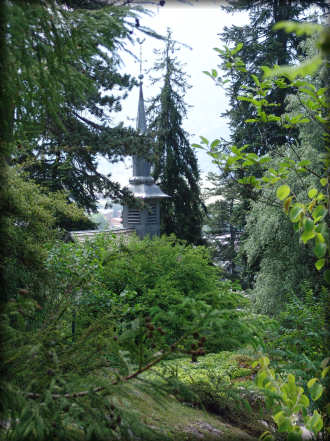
x: 173, y: 284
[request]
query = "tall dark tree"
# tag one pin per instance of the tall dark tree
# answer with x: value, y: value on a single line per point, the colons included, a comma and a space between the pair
x: 262, y: 45
x: 176, y: 168
x: 66, y: 86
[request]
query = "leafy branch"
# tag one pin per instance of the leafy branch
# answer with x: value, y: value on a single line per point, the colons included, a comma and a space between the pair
x: 309, y: 218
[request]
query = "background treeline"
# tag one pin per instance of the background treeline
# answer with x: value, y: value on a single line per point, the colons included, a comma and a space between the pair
x: 82, y: 324
x: 261, y: 249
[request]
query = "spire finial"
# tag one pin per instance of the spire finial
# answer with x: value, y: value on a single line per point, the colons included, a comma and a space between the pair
x: 140, y: 43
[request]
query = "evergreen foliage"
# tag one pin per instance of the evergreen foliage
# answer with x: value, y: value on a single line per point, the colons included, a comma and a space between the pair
x: 258, y: 44
x: 263, y: 46
x: 34, y: 221
x: 65, y: 86
x: 176, y: 168
x: 84, y: 322
x: 301, y: 193
x: 109, y: 315
x: 264, y: 220
x: 161, y: 279
x: 282, y: 260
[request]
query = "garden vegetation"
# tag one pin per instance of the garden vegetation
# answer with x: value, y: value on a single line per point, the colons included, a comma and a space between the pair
x: 90, y: 328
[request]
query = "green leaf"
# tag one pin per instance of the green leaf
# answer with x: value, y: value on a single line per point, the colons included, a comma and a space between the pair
x: 251, y: 120
x: 304, y: 163
x: 197, y: 146
x: 320, y: 249
x: 244, y: 98
x: 325, y: 371
x: 324, y: 181
x: 322, y: 228
x: 277, y: 417
x: 215, y: 143
x: 319, y: 213
x: 307, y: 235
x: 284, y: 424
x: 291, y: 72
x: 214, y: 73
x: 291, y: 379
x: 320, y: 237
x: 264, y: 159
x: 260, y: 379
x: 237, y: 49
x: 312, y: 193
x: 319, y: 264
x: 255, y: 79
x: 207, y: 73
x: 295, y: 212
x: 304, y: 401
x: 308, y: 224
x: 315, y: 422
x: 298, y: 28
x: 283, y: 192
x: 311, y: 382
x: 316, y: 391
x: 204, y: 140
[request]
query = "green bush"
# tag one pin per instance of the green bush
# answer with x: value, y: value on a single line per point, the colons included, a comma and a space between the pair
x: 33, y: 219
x: 301, y: 336
x: 172, y: 284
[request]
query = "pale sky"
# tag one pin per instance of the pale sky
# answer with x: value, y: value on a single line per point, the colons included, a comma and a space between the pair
x: 196, y: 26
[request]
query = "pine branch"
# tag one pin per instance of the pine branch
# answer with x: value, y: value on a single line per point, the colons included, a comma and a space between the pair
x: 88, y: 121
x: 135, y: 374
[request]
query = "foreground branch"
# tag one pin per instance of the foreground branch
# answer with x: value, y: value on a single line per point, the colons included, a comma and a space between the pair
x: 135, y: 374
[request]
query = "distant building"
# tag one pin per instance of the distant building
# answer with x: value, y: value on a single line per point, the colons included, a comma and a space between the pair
x: 145, y: 219
x: 142, y: 218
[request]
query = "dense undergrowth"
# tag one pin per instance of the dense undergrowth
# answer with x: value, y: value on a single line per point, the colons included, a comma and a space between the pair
x: 90, y: 332
x: 97, y: 335
x: 109, y: 316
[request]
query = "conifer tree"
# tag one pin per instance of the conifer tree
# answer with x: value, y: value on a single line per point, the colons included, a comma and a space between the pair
x: 176, y: 168
x: 264, y: 46
x: 260, y: 45
x: 65, y: 87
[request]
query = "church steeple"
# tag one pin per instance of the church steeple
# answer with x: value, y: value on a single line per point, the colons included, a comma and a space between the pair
x: 141, y: 167
x: 145, y: 219
x: 141, y: 124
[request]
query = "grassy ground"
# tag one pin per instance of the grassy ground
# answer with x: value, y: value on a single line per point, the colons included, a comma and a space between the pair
x: 208, y: 400
x: 176, y: 421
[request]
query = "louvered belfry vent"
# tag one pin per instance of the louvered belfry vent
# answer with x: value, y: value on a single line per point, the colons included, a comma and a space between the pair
x: 146, y: 217
x: 152, y: 214
x: 133, y: 217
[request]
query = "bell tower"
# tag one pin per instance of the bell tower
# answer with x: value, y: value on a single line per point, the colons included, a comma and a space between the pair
x: 145, y: 219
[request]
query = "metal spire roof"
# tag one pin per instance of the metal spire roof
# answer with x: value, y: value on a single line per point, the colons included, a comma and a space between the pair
x: 142, y: 183
x: 146, y: 217
x: 141, y: 124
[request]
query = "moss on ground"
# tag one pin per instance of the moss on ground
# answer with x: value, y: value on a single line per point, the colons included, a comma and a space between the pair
x: 206, y: 400
x: 171, y: 420
x: 225, y: 367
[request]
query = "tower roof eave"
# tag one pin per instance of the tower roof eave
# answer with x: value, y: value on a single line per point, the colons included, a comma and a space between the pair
x: 147, y: 191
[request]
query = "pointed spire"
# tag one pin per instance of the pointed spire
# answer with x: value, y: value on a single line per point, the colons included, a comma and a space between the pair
x: 141, y: 167
x: 145, y: 219
x: 141, y: 124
